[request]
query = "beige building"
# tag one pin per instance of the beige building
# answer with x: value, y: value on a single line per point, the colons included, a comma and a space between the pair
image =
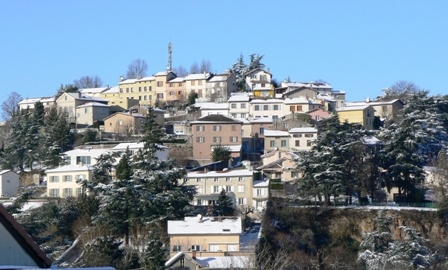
x: 213, y: 130
x: 91, y: 112
x: 300, y: 105
x: 267, y: 108
x: 124, y: 123
x: 117, y: 102
x: 238, y: 184
x: 161, y: 80
x: 176, y: 90
x: 220, y: 86
x: 279, y: 164
x: 302, y: 138
x: 62, y: 181
x: 205, y: 235
x: 276, y: 139
x: 388, y: 110
x: 143, y: 90
x: 68, y: 102
x: 197, y: 83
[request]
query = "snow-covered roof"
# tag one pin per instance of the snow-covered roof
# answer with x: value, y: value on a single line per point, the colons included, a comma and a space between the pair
x: 372, y: 103
x: 92, y: 104
x: 261, y: 120
x: 261, y: 184
x: 239, y: 97
x: 197, y: 76
x: 5, y: 171
x: 209, y: 225
x: 300, y: 100
x: 112, y: 90
x: 371, y: 140
x: 86, y: 152
x: 70, y: 168
x: 353, y: 108
x: 303, y: 130
x: 177, y: 79
x: 93, y: 90
x: 219, y: 78
x: 162, y: 73
x: 132, y: 146
x: 275, y: 133
x: 85, y: 97
x: 225, y: 262
x: 264, y: 101
x: 232, y: 148
x: 215, y: 106
x: 34, y: 100
x: 228, y: 173
x: 305, y: 84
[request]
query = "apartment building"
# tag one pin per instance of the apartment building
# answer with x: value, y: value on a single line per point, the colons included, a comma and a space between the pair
x: 302, y: 138
x: 267, y: 108
x: 219, y: 87
x: 363, y: 114
x: 197, y: 83
x: 258, y: 82
x: 276, y: 139
x: 239, y: 105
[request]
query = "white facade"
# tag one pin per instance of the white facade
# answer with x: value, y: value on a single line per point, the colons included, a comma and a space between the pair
x: 208, y: 108
x: 239, y: 105
x: 267, y: 108
x: 258, y: 79
x: 299, y: 105
x: 220, y: 86
x: 9, y: 183
x: 85, y: 156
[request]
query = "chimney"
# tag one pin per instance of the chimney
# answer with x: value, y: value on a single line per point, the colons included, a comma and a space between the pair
x: 193, y: 254
x: 121, y: 78
x: 200, y: 218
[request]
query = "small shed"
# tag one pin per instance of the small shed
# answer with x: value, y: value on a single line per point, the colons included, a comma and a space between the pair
x: 9, y: 183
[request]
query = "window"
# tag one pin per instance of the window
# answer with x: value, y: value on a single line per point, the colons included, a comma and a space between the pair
x: 261, y: 131
x: 257, y: 107
x: 260, y: 192
x: 241, y: 201
x: 171, y: 84
x: 309, y: 135
x: 132, y: 89
x: 266, y: 107
x: 83, y: 160
x: 54, y: 179
x: 213, y: 247
x: 193, y: 82
x: 275, y: 118
x: 198, y: 202
x: 294, y: 174
x: 229, y: 188
x: 121, y: 90
x: 233, y: 115
x: 272, y: 144
x: 216, y: 189
x: 177, y: 248
x: 160, y: 95
x: 216, y: 128
x: 67, y: 192
x: 127, y: 89
x: 240, y: 189
x: 243, y: 105
x: 200, y: 139
x: 150, y: 88
x: 240, y: 178
x: 263, y: 78
x: 200, y: 128
x: 216, y: 179
x: 232, y: 247
x: 159, y: 84
x: 67, y: 178
x: 54, y: 192
x: 144, y: 89
x: 196, y: 247
x: 299, y: 108
x: 243, y: 115
x: 139, y: 88
x: 233, y: 139
x: 297, y: 143
x: 233, y: 105
x: 217, y: 139
x: 292, y: 108
x: 283, y: 143
x: 308, y: 143
x: 171, y: 93
x: 199, y: 82
x: 198, y: 179
x: 180, y: 84
x: 276, y: 107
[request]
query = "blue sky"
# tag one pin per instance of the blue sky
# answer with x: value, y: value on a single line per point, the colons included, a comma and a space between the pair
x: 357, y: 46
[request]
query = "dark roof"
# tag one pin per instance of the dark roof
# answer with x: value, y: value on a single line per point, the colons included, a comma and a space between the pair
x: 217, y: 118
x: 24, y: 239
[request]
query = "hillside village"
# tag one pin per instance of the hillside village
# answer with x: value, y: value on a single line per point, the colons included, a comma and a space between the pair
x: 231, y: 147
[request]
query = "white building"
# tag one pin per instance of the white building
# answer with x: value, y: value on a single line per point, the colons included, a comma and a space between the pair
x: 9, y: 183
x: 62, y: 181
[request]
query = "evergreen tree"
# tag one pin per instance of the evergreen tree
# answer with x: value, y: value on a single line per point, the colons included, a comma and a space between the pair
x: 224, y: 205
x: 221, y: 153
x: 156, y: 254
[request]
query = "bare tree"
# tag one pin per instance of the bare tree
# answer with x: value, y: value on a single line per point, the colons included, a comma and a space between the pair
x: 181, y: 154
x: 206, y: 66
x: 180, y: 71
x: 194, y: 68
x: 402, y: 90
x: 136, y: 69
x: 10, y: 107
x: 88, y: 82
